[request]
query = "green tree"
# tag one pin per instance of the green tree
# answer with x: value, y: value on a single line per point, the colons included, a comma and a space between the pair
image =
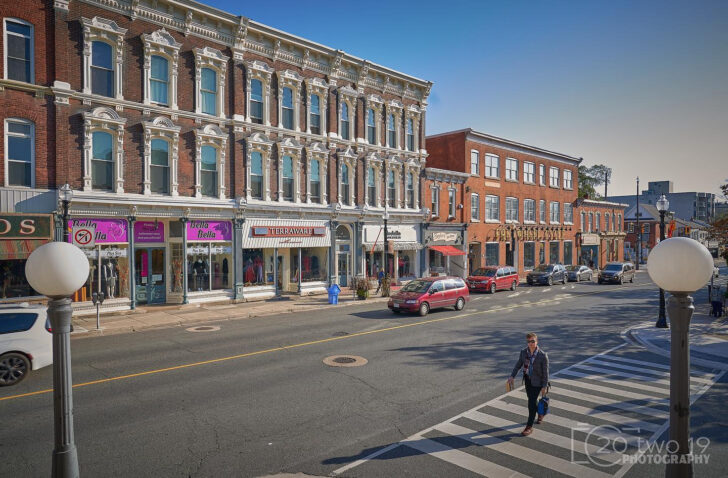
x: 603, y: 174
x: 587, y: 183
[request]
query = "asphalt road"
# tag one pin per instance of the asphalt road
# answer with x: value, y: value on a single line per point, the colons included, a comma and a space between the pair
x: 254, y: 398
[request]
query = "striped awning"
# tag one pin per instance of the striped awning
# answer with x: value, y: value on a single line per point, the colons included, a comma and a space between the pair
x: 19, y: 249
x: 321, y: 237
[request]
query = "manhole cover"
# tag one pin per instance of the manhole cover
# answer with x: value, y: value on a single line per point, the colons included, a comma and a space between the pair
x: 345, y: 361
x: 203, y: 328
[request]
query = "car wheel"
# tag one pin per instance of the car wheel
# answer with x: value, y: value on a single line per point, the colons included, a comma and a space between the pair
x: 563, y: 279
x: 621, y: 280
x: 424, y: 309
x: 599, y: 281
x: 513, y: 285
x: 460, y: 304
x: 550, y: 281
x: 14, y: 367
x: 631, y: 279
x: 591, y: 277
x: 492, y: 289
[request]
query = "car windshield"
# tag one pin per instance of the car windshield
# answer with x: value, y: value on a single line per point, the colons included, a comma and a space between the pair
x: 484, y: 272
x: 613, y: 267
x: 573, y: 268
x: 544, y: 268
x: 416, y: 286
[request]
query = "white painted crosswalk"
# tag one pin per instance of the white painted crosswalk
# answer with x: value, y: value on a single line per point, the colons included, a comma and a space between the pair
x: 604, y: 410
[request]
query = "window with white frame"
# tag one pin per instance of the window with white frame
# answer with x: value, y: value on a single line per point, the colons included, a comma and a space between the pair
x: 371, y: 126
x: 614, y: 222
x: 256, y: 175
x: 391, y: 188
x: 374, y: 117
x: 568, y: 213
x: 289, y: 91
x: 412, y: 119
x: 345, y: 185
x: 258, y: 168
x: 289, y: 170
x: 598, y: 223
x: 208, y: 171
x: 256, y: 101
x: 314, y: 116
x: 511, y: 169
x: 347, y: 111
x: 102, y: 161
x: 210, y: 144
x: 161, y: 138
x: 529, y: 210
x: 287, y: 108
x: 582, y: 224
x: 568, y: 184
x: 474, y: 163
x: 159, y: 80
x: 410, y: 185
x: 286, y: 192
x: 607, y: 222
x: 159, y: 166
x: 511, y: 209
x: 492, y: 208
x: 372, y: 197
x: 318, y: 92
x: 492, y: 169
x: 435, y: 201
x: 161, y: 58
x: 542, y: 175
x: 591, y: 222
x: 19, y: 47
x: 345, y: 125
x: 314, y: 181
x: 555, y: 217
x: 103, y: 150
x: 542, y: 211
x: 554, y: 177
x: 316, y: 166
x: 258, y: 86
x: 529, y: 172
x: 474, y: 207
x: 619, y: 223
x: 103, y: 57
x: 391, y: 130
x: 210, y: 67
x: 19, y: 152
x: 451, y: 202
x: 410, y: 134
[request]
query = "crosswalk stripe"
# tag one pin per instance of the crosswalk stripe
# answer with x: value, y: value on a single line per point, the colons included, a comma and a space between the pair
x: 618, y: 358
x: 461, y: 459
x: 617, y: 383
x: 560, y: 441
x: 615, y: 403
x: 605, y: 432
x: 606, y: 416
x: 643, y: 370
x: 611, y: 390
x: 509, y: 448
x: 633, y: 376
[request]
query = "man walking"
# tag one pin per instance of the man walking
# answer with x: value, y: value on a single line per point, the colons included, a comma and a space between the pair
x: 716, y: 301
x: 535, y: 365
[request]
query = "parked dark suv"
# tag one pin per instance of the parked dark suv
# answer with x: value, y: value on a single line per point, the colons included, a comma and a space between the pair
x: 617, y: 272
x: 547, y: 274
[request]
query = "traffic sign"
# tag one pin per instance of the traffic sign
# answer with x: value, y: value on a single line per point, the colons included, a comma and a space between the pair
x: 84, y: 236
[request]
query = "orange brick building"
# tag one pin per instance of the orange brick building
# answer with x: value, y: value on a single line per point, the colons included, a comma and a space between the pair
x: 601, y: 235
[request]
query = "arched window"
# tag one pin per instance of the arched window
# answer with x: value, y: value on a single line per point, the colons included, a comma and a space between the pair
x: 372, y: 186
x: 208, y: 91
x: 591, y: 222
x: 287, y: 108
x: 102, y: 69
x: 256, y: 175
x: 410, y: 134
x: 391, y: 189
x: 345, y: 191
x: 411, y: 190
x: 102, y: 162
x: 315, y: 119
x: 256, y: 101
x: 371, y: 127
x: 18, y: 50
x: 20, y: 152
x: 159, y: 80
x: 159, y: 167
x: 392, y: 131
x: 582, y: 224
x: 208, y: 171
x: 345, y: 121
x: 598, y: 223
x: 315, y: 181
x: 287, y: 178
x: 607, y: 224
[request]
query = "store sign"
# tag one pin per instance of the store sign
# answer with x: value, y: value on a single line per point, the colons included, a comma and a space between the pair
x: 148, y: 231
x: 394, y: 233
x: 590, y: 240
x: 209, y: 231
x: 525, y: 233
x: 108, y: 253
x: 285, y: 231
x: 107, y: 230
x: 445, y: 236
x: 203, y: 250
x: 25, y: 226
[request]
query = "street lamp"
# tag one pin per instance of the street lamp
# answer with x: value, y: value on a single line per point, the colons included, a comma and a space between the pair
x: 57, y: 270
x: 662, y: 206
x: 680, y: 266
x: 385, y: 216
x: 66, y: 195
x: 639, y: 229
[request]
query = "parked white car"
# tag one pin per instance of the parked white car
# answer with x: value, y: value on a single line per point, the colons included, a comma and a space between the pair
x: 26, y: 341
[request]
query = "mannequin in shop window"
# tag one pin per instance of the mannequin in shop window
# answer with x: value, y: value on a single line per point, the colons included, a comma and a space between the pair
x: 200, y: 272
x: 110, y: 275
x: 306, y: 266
x: 225, y: 272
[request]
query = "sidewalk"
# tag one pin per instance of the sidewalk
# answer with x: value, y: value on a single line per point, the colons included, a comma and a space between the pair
x: 189, y: 315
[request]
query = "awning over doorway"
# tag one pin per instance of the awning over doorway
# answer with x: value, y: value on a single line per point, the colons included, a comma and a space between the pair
x: 448, y: 250
x: 18, y: 249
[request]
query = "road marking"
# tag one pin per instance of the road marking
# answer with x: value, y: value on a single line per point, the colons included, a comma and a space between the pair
x: 515, y: 294
x: 642, y: 370
x: 302, y: 344
x: 601, y: 378
x: 614, y: 403
x: 528, y: 291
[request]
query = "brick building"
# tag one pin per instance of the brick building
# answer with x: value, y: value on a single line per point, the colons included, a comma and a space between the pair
x: 600, y: 238
x: 518, y: 199
x: 216, y: 157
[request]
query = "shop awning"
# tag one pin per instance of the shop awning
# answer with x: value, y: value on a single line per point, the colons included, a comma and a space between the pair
x: 448, y: 250
x: 18, y: 249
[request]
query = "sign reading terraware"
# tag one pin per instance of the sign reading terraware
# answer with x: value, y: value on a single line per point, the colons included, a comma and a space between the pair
x: 148, y: 231
x: 107, y: 230
x: 288, y: 231
x: 209, y: 231
x: 25, y: 226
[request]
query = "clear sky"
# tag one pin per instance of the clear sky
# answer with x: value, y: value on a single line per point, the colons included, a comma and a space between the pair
x: 638, y: 85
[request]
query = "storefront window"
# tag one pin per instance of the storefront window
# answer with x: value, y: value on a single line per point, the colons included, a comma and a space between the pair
x: 406, y: 264
x: 542, y: 253
x: 437, y: 262
x: 554, y: 252
x: 258, y: 266
x: 529, y: 255
x: 12, y: 280
x: 491, y: 254
x: 314, y: 264
x: 568, y: 253
x: 176, y: 263
x: 208, y: 266
x: 111, y: 275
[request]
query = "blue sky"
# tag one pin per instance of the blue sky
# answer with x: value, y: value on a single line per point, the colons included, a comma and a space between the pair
x: 641, y: 86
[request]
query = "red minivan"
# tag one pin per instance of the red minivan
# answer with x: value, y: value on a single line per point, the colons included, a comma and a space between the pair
x: 493, y: 278
x: 427, y: 293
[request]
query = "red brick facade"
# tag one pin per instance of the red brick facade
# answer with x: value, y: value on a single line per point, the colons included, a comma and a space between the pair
x: 601, y: 234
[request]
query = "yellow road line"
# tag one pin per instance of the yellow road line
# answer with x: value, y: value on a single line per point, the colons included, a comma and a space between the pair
x: 304, y: 344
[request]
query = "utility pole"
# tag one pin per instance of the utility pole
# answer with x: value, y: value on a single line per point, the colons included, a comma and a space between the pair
x: 606, y: 182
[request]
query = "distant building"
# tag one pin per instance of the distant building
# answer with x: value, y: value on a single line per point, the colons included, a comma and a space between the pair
x: 721, y: 209
x: 600, y: 236
x: 686, y: 205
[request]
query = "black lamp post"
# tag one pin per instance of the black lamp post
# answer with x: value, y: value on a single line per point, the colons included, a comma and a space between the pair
x: 639, y: 229
x: 662, y: 206
x: 385, y: 216
x: 66, y: 195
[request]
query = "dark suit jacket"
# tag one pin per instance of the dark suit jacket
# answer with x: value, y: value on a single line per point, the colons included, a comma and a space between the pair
x: 540, y: 374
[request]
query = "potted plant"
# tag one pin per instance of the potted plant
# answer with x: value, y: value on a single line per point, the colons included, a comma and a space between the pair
x: 361, y: 285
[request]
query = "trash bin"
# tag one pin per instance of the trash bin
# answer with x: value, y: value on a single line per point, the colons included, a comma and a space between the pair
x: 334, y: 291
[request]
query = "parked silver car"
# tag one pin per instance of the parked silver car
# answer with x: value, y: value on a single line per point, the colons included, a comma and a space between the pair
x: 579, y: 273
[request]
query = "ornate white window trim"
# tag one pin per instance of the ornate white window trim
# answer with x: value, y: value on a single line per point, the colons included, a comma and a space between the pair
x: 163, y: 44
x: 376, y: 103
x: 290, y: 79
x: 378, y: 164
x: 161, y: 128
x: 214, y: 59
x: 258, y: 70
x: 258, y: 142
x: 107, y: 31
x: 349, y: 157
x: 106, y: 120
x: 292, y: 148
x: 348, y: 95
x: 411, y: 166
x: 395, y: 165
x: 210, y: 135
x: 414, y: 113
x: 395, y: 107
x: 317, y: 152
x: 317, y: 87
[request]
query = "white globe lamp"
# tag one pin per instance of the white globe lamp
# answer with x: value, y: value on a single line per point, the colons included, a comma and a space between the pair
x: 680, y: 265
x: 57, y: 269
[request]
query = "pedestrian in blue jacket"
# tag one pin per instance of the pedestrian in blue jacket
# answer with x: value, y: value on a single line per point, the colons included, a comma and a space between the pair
x: 535, y: 365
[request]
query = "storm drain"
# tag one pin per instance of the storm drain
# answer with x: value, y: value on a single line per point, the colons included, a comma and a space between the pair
x: 203, y: 328
x: 345, y: 361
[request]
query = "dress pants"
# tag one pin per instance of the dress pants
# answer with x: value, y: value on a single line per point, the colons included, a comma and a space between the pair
x: 532, y: 393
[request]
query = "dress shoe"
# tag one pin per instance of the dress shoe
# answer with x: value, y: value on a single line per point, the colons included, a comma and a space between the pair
x: 539, y: 419
x: 527, y: 431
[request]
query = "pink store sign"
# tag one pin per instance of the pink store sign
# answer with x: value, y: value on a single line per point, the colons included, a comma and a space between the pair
x: 209, y: 231
x: 107, y: 230
x: 148, y: 231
